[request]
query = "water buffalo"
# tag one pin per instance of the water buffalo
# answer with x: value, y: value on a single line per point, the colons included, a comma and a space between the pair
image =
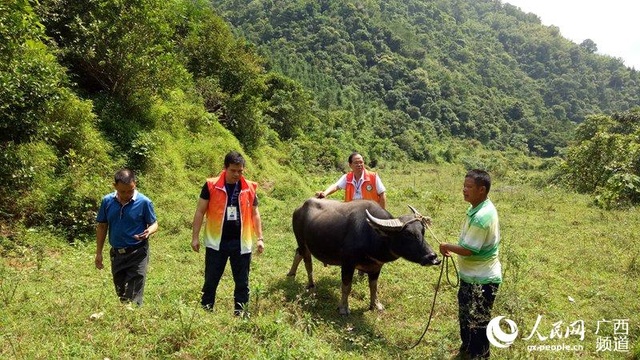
x: 357, y: 235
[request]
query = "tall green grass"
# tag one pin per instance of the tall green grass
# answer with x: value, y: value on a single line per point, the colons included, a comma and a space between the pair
x: 563, y: 259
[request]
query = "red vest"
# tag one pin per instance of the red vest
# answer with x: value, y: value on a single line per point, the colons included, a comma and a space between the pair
x: 367, y: 188
x: 218, y: 206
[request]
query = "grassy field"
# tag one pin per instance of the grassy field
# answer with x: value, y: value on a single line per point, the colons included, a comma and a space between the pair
x: 565, y: 262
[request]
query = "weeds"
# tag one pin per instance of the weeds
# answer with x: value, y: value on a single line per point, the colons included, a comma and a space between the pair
x: 243, y: 313
x: 100, y: 299
x: 186, y: 320
x: 304, y: 319
x: 307, y: 323
x: 39, y: 251
x: 14, y: 351
x: 258, y: 293
x: 8, y: 286
x: 633, y: 268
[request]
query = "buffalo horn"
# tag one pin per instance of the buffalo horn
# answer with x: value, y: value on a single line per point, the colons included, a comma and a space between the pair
x: 415, y: 212
x: 389, y: 224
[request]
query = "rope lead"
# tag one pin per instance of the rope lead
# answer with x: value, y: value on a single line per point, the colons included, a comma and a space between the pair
x: 443, y: 265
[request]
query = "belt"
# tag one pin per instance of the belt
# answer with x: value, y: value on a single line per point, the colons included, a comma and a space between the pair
x: 129, y: 249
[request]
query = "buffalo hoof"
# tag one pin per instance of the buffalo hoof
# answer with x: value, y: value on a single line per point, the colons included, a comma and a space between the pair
x: 311, y: 287
x: 291, y: 274
x: 377, y: 306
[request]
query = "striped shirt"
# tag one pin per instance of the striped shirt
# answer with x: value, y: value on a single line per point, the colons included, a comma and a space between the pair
x: 481, y: 235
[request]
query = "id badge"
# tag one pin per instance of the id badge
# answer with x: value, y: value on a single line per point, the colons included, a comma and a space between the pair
x: 232, y: 213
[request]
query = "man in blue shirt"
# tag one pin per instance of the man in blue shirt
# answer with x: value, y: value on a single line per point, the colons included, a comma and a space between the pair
x: 129, y: 219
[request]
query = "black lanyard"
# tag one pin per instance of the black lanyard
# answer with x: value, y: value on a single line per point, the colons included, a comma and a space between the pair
x: 234, y: 196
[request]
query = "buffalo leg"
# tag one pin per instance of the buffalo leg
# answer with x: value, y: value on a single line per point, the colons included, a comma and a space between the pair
x: 296, y: 261
x: 373, y: 292
x: 347, y: 280
x: 308, y: 265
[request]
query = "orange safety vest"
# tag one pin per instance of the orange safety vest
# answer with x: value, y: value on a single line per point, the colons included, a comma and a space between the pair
x: 368, y: 187
x: 218, y: 207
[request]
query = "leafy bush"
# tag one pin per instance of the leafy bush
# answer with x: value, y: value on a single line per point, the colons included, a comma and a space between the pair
x: 604, y: 160
x: 620, y: 190
x: 51, y: 150
x: 29, y: 73
x: 27, y: 171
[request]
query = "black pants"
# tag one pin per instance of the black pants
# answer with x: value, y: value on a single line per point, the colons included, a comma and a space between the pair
x: 129, y: 272
x: 475, y: 303
x: 214, y: 264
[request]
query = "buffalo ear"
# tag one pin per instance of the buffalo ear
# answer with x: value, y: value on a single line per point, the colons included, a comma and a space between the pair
x: 384, y: 225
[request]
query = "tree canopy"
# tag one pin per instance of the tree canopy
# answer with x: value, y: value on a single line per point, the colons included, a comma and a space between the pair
x: 465, y: 68
x: 86, y: 87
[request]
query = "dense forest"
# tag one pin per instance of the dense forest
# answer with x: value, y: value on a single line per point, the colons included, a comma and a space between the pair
x: 167, y: 87
x: 412, y: 70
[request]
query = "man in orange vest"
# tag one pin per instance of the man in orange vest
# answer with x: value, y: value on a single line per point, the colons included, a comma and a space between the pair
x: 233, y: 223
x: 358, y: 183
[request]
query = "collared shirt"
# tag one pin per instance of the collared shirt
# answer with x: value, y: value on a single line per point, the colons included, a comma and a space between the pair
x: 480, y: 234
x: 125, y: 221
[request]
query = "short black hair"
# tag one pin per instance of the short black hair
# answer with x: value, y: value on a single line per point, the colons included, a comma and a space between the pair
x: 233, y: 157
x: 354, y: 154
x: 480, y: 177
x: 124, y: 176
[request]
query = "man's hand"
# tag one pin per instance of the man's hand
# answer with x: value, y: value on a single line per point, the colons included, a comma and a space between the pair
x: 98, y: 262
x: 450, y: 249
x: 444, y: 250
x: 142, y: 236
x: 195, y: 245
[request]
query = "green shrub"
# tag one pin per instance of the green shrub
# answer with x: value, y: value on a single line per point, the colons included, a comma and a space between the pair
x: 603, y: 160
x: 27, y: 173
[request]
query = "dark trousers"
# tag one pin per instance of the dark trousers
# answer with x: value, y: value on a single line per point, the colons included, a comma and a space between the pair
x: 214, y: 264
x: 129, y: 272
x: 475, y: 303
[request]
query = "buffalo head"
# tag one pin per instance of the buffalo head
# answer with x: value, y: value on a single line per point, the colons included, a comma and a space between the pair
x: 405, y: 236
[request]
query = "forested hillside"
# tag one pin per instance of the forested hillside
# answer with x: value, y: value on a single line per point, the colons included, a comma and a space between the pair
x: 166, y: 88
x: 161, y: 87
x: 410, y: 71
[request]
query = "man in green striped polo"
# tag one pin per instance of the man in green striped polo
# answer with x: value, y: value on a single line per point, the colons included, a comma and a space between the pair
x: 478, y: 265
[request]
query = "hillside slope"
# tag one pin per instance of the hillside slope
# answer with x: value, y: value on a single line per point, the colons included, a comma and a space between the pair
x: 467, y: 68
